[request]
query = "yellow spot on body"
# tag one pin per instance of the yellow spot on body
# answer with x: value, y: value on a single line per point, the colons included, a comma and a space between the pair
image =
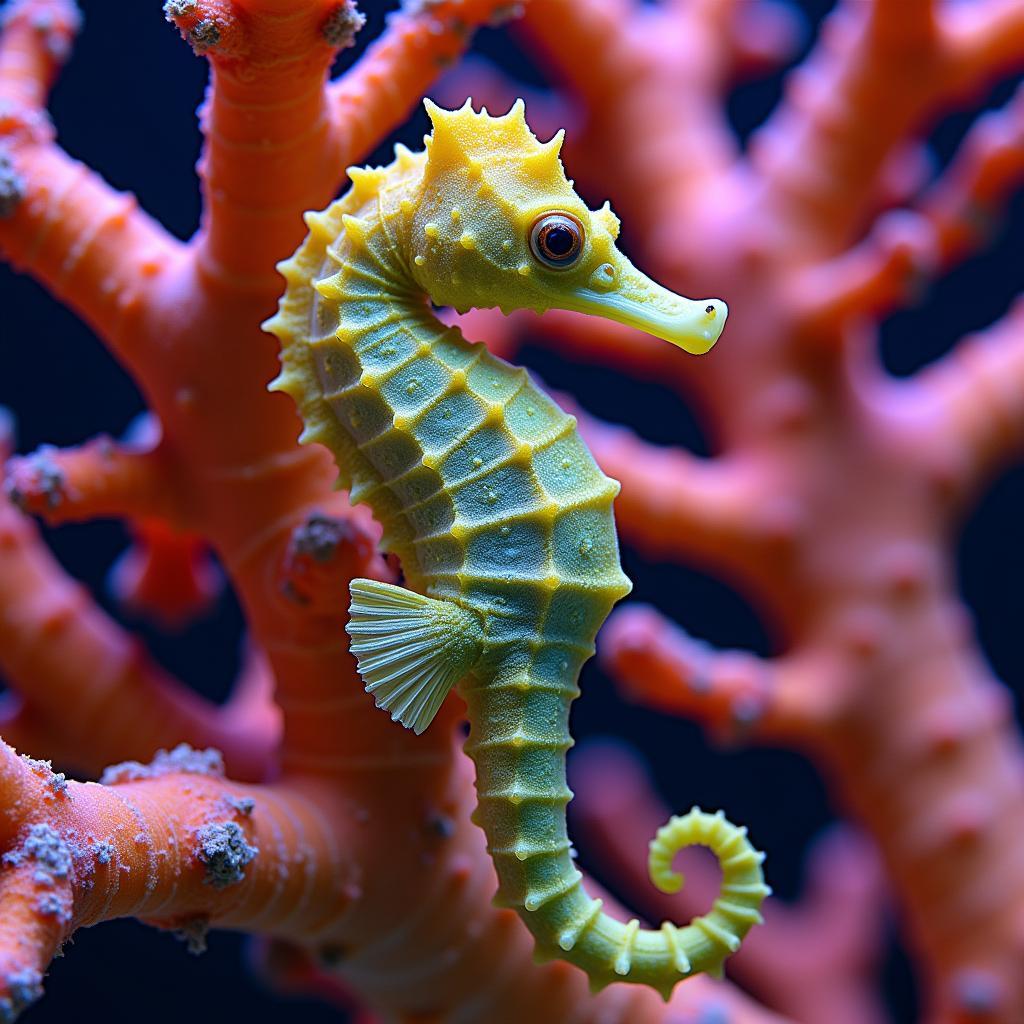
x: 423, y: 348
x: 551, y: 581
x: 477, y: 463
x: 456, y: 215
x: 431, y: 231
x: 566, y: 463
x: 412, y: 387
x: 507, y: 244
x: 467, y: 241
x: 419, y: 261
x: 406, y: 206
x: 524, y: 269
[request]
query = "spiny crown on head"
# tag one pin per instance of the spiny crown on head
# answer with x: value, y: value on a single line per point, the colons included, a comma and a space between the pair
x: 485, y: 182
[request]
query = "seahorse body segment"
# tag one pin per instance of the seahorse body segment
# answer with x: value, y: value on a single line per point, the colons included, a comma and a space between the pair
x: 499, y: 514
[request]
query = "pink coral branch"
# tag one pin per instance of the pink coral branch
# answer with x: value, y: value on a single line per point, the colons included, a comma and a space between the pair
x: 760, y: 36
x: 982, y: 40
x: 869, y: 280
x: 675, y: 61
x: 876, y: 62
x: 659, y: 665
x: 813, y: 961
x: 974, y: 400
x: 888, y: 64
x: 963, y: 205
x: 675, y: 503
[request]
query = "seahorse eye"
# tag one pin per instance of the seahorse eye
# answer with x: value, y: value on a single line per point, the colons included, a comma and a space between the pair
x: 556, y: 239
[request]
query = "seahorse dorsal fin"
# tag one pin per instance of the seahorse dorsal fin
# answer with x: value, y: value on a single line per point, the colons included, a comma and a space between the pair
x: 411, y: 650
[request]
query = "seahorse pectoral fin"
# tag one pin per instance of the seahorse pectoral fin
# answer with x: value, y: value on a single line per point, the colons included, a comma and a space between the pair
x: 618, y: 291
x: 410, y: 649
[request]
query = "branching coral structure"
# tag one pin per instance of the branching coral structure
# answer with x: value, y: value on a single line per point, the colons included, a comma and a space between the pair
x: 297, y: 811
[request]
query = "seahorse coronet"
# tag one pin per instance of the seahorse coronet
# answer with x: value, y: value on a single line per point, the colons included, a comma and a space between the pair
x: 498, y: 512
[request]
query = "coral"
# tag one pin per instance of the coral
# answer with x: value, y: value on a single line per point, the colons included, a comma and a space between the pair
x: 831, y: 501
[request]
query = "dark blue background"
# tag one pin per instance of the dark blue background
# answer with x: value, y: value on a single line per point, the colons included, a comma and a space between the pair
x: 125, y: 105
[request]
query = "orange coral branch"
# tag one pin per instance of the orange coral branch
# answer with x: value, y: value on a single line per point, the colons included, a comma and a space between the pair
x: 376, y: 95
x: 279, y: 141
x: 37, y: 37
x: 89, y: 245
x: 172, y: 842
x: 60, y: 651
x: 814, y: 961
x: 269, y: 147
x: 734, y: 692
x: 98, y: 479
x: 165, y: 575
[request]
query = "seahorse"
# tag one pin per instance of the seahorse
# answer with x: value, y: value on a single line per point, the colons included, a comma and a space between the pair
x: 497, y: 511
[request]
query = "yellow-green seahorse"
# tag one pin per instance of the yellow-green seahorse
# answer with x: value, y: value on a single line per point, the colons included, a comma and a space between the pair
x: 498, y: 512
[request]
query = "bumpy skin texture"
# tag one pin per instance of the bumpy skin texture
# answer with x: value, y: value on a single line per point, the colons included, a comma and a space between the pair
x: 490, y: 499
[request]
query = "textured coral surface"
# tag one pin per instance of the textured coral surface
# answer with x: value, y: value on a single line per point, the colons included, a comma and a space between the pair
x: 832, y: 502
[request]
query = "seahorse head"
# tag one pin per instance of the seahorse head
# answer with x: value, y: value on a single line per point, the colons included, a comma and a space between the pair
x: 497, y: 223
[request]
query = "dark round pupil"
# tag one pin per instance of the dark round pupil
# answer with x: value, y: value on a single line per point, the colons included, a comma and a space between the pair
x: 559, y: 241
